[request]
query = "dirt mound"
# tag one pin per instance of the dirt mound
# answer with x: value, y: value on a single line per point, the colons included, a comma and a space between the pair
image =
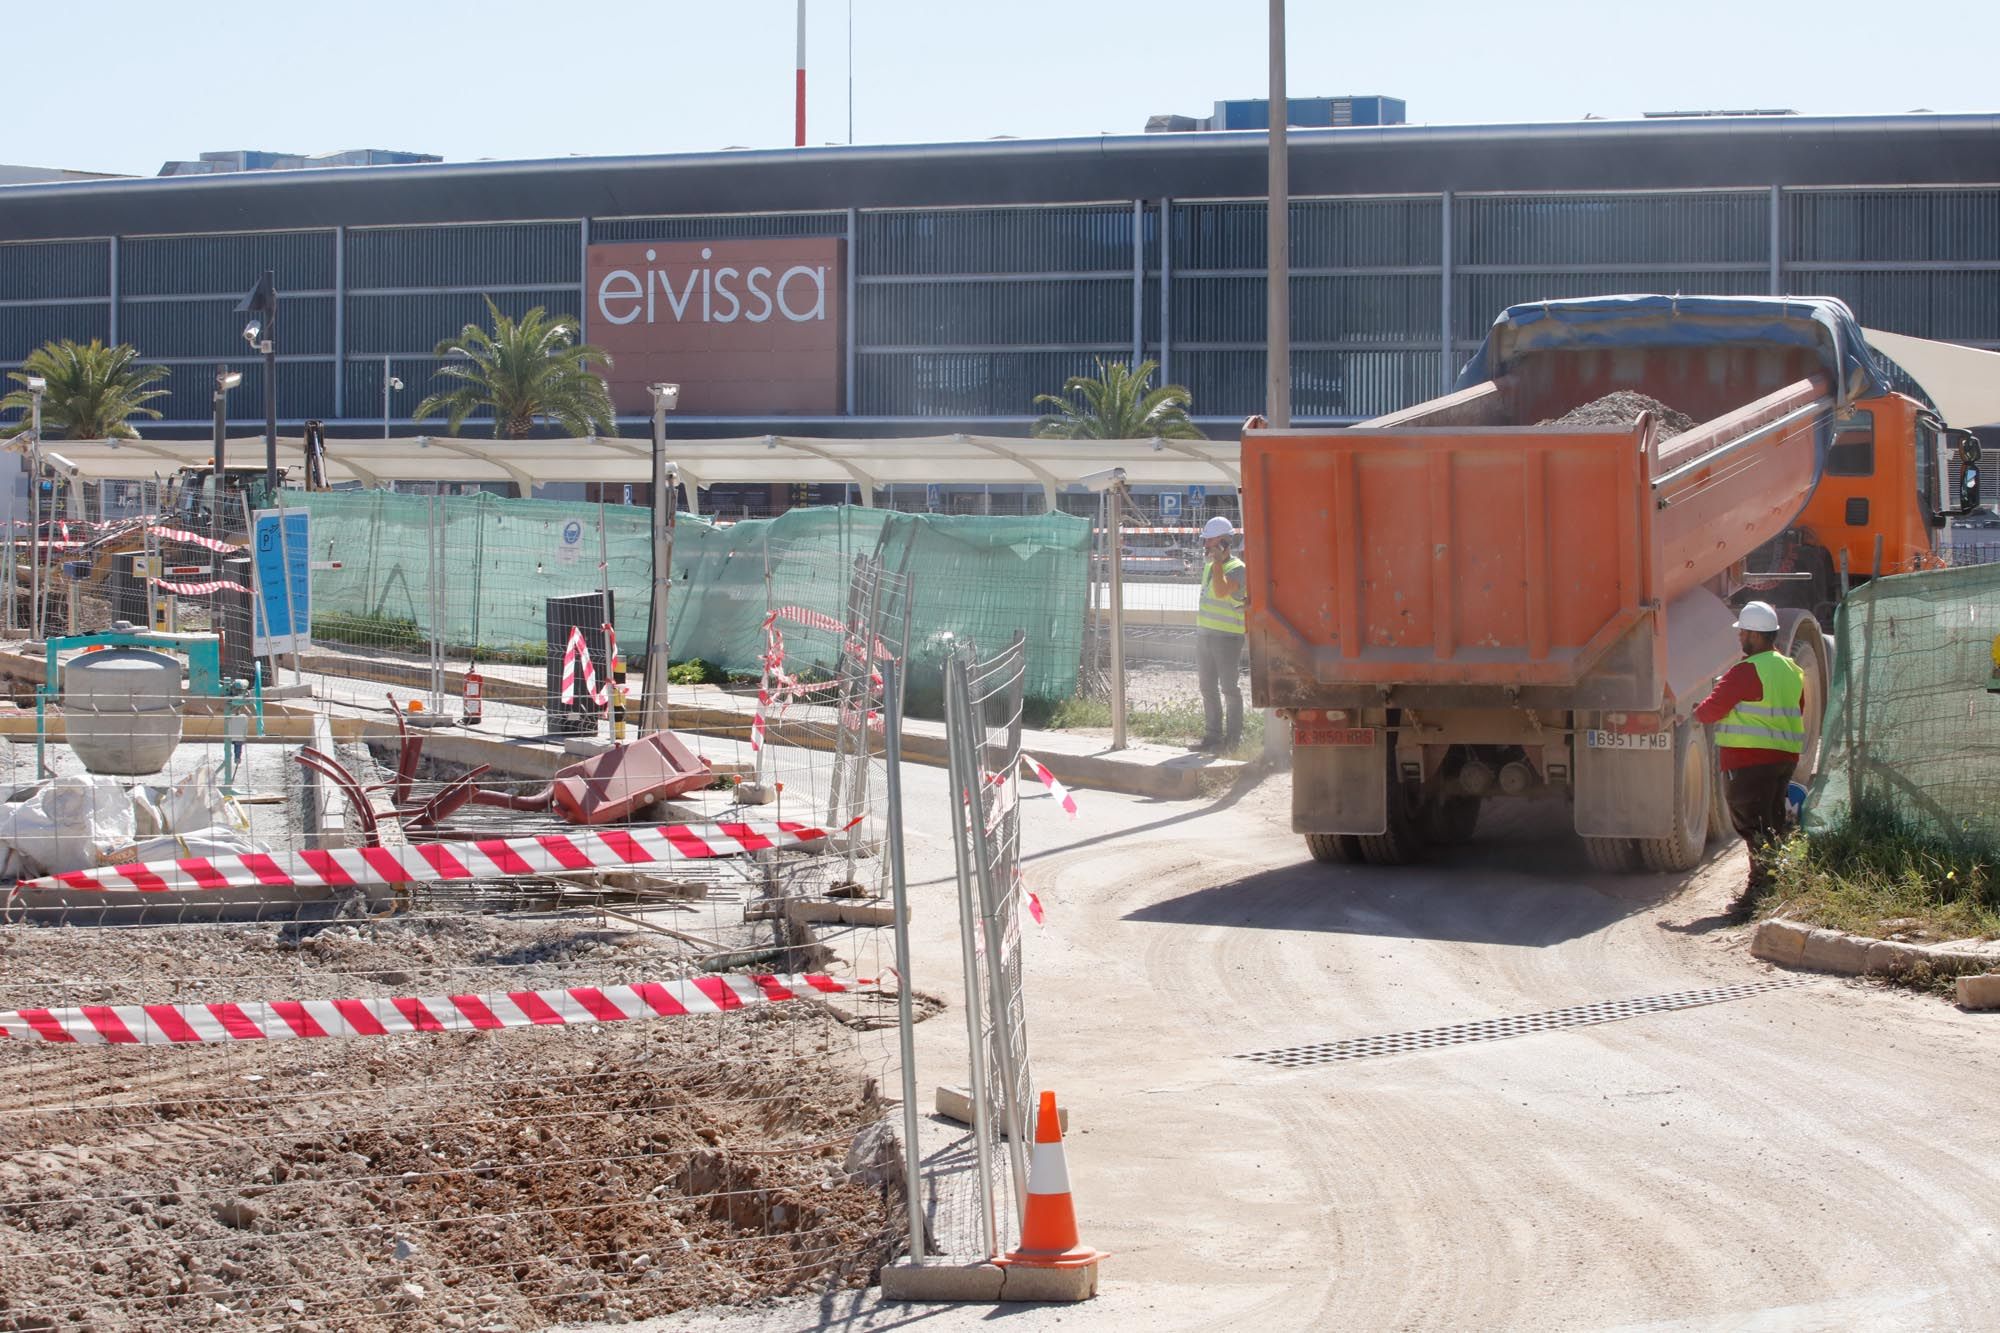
x: 1621, y: 409
x: 477, y: 1181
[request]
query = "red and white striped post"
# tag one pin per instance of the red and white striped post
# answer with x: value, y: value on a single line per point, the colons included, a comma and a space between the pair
x: 799, y: 91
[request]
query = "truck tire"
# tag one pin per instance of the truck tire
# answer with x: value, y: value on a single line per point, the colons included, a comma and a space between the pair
x: 1720, y: 826
x: 1616, y: 855
x: 1334, y: 849
x: 1403, y: 841
x: 1805, y: 643
x: 1451, y: 820
x: 1682, y: 849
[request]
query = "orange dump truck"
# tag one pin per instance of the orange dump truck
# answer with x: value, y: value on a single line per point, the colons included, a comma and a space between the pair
x: 1473, y: 599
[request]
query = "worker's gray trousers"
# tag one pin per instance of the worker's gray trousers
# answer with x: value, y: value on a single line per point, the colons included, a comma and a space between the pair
x: 1218, y: 661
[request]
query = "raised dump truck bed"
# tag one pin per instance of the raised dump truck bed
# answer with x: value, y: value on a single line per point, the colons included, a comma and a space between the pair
x: 1472, y: 598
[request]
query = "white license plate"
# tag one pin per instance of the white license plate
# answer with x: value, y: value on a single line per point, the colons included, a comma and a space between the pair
x: 1330, y: 734
x: 1622, y: 740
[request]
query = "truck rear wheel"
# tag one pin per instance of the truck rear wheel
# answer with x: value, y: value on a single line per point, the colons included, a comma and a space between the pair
x: 1682, y: 849
x: 1616, y: 855
x: 1403, y: 841
x: 1336, y: 849
x: 1451, y: 820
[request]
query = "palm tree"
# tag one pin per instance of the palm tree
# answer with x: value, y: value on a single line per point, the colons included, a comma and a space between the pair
x: 1116, y: 404
x: 524, y: 371
x: 92, y: 390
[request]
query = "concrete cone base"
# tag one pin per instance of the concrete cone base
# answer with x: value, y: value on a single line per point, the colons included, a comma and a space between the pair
x: 987, y: 1282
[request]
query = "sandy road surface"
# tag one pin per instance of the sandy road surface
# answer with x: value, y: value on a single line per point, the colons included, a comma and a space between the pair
x: 1817, y: 1157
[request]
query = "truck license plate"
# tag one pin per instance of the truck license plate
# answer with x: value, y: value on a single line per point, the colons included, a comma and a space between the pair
x: 1325, y: 734
x: 1620, y: 740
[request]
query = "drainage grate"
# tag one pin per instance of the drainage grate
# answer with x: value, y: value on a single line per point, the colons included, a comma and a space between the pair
x: 1499, y: 1029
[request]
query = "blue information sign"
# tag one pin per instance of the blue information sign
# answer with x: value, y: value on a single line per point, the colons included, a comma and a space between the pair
x: 1170, y: 507
x: 1197, y: 495
x: 280, y: 568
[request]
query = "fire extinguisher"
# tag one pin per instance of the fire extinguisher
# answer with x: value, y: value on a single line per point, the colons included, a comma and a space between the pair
x: 475, y: 687
x: 618, y: 697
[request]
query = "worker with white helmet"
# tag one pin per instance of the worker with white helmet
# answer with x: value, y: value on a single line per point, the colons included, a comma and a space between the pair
x: 1218, y: 636
x: 1758, y: 711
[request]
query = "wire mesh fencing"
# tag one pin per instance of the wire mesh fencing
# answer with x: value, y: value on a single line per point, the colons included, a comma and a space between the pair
x: 1912, y: 728
x: 315, y: 1016
x: 983, y: 737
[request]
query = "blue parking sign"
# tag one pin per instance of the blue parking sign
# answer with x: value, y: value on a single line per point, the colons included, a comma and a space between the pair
x: 1170, y: 506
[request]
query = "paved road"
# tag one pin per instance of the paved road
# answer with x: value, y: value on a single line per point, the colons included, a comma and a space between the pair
x: 1815, y: 1157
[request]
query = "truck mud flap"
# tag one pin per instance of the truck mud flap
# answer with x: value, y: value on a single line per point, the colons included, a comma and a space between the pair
x: 1624, y: 793
x: 1341, y: 788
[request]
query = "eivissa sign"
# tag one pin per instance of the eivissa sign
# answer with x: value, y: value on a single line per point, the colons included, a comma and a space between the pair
x: 744, y: 327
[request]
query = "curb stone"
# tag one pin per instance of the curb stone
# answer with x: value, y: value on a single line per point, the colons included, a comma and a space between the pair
x: 1793, y: 944
x: 1980, y: 992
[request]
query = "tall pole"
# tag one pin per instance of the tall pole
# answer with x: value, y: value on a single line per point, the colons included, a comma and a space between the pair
x: 35, y: 517
x: 666, y: 479
x: 1115, y: 533
x: 799, y: 90
x: 270, y: 351
x: 1278, y: 271
x: 387, y: 380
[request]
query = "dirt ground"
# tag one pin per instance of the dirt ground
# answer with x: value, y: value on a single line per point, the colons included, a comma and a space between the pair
x: 481, y: 1181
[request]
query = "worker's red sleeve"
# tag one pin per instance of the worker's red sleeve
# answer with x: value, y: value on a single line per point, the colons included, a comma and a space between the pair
x: 1739, y: 685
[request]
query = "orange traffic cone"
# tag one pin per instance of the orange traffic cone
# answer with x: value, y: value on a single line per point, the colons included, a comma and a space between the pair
x: 1048, y: 1232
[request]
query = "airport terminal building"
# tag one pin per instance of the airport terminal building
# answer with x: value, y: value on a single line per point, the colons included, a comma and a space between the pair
x: 939, y: 288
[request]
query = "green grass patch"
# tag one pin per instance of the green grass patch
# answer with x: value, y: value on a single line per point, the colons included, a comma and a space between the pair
x: 1878, y: 877
x: 1177, y: 724
x: 696, y: 671
x: 366, y: 631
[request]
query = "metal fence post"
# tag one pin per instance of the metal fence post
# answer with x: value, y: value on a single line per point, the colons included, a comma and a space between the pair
x: 899, y: 899
x: 1116, y: 501
x: 963, y: 788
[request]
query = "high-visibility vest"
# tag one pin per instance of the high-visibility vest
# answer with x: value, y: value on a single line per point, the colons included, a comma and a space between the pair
x: 1224, y: 615
x: 1775, y: 722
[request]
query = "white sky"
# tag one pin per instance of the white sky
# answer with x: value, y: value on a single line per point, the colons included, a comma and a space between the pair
x: 532, y: 78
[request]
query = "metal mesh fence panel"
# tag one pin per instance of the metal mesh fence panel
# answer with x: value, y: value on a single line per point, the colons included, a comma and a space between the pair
x: 983, y: 578
x: 1912, y: 728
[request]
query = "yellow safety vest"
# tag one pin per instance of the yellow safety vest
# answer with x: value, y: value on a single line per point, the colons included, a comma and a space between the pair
x: 1224, y: 615
x: 1775, y: 722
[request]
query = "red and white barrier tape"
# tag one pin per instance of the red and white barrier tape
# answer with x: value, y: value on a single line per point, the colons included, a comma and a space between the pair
x: 438, y: 862
x: 194, y: 539
x: 283, y: 1020
x: 199, y: 589
x: 576, y: 650
x: 1057, y: 791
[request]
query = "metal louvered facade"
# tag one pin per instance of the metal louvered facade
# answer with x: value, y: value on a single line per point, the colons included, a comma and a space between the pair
x: 966, y: 297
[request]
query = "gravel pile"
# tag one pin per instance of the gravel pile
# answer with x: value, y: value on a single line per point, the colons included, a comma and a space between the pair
x: 1621, y: 409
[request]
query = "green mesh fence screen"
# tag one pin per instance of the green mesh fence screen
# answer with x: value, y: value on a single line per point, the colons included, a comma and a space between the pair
x: 1911, y: 732
x: 971, y: 577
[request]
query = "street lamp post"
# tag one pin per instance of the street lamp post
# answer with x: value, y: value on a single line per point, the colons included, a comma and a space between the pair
x: 666, y: 481
x: 37, y: 386
x: 262, y: 307
x: 225, y: 380
x: 389, y: 382
x: 1277, y: 206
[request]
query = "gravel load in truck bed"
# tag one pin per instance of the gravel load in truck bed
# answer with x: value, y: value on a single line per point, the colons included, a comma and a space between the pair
x: 1622, y: 409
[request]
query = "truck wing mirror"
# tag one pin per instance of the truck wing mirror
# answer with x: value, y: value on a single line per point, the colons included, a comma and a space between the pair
x: 1967, y: 445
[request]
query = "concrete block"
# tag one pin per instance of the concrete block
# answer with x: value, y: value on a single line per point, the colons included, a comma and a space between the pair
x: 1780, y: 942
x: 1980, y: 992
x: 1048, y: 1284
x: 1888, y: 958
x: 956, y: 1104
x: 1836, y: 951
x: 942, y: 1282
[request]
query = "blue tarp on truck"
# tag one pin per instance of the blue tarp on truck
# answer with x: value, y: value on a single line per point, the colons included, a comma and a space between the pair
x: 1821, y: 323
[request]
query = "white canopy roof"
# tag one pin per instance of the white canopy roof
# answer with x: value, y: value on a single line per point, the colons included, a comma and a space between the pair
x: 938, y: 459
x: 1964, y: 382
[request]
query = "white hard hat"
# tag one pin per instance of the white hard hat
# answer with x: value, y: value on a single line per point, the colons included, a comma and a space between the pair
x: 1217, y: 527
x: 1759, y: 616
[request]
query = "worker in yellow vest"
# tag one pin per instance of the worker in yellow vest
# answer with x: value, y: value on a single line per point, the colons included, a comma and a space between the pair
x: 1218, y: 635
x: 1758, y: 711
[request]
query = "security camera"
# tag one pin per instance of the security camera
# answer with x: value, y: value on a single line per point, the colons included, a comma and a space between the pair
x: 1105, y: 480
x: 395, y: 383
x: 61, y: 464
x: 36, y: 384
x: 253, y: 331
x: 666, y: 395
